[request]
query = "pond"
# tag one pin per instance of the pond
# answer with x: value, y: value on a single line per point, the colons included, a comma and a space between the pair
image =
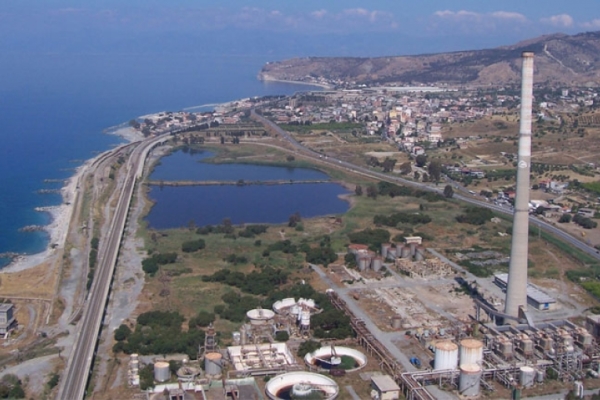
x: 176, y: 206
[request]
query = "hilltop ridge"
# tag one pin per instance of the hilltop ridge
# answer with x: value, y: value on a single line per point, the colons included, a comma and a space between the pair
x: 562, y: 59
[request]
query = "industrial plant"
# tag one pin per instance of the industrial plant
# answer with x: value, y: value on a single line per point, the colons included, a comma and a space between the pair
x: 424, y: 327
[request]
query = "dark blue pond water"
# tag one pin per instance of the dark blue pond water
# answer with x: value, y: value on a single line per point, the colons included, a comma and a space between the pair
x: 209, y: 205
x: 182, y: 166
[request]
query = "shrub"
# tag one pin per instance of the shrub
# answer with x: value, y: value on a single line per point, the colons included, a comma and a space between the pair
x: 193, y: 245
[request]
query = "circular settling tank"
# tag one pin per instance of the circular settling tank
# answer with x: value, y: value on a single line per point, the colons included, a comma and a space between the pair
x: 259, y: 316
x: 340, y: 357
x: 301, y: 384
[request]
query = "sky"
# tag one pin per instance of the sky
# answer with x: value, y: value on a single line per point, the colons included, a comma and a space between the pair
x: 284, y: 28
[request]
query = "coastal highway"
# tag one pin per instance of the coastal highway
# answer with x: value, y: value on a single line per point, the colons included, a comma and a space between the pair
x: 301, y: 149
x: 77, y: 373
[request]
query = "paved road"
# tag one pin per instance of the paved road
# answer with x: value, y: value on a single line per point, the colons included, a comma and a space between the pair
x: 75, y: 378
x: 301, y: 149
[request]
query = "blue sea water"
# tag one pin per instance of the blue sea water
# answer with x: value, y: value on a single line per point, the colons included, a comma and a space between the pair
x: 54, y: 108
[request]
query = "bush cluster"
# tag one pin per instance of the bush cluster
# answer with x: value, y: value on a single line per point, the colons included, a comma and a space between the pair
x: 475, y: 216
x: 401, y: 217
x: 159, y: 332
x: 193, y: 245
x: 371, y: 237
x: 151, y: 265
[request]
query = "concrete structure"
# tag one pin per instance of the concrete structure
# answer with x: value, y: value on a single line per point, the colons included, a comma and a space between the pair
x: 535, y: 296
x: 469, y: 380
x: 385, y: 387
x: 328, y: 353
x: 259, y: 316
x: 7, y: 319
x: 261, y: 359
x: 301, y: 383
x: 161, y: 371
x: 516, y: 292
x: 446, y: 356
x: 592, y: 324
x: 471, y: 352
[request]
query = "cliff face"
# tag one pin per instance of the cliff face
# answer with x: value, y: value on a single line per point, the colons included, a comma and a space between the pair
x: 559, y: 59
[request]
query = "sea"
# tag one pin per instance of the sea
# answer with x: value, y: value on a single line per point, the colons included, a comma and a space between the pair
x: 55, y: 110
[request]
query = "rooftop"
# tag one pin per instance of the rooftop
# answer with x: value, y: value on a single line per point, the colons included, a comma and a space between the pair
x: 385, y: 383
x: 533, y: 292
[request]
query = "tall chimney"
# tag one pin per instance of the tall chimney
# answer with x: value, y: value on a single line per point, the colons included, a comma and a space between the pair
x: 516, y: 292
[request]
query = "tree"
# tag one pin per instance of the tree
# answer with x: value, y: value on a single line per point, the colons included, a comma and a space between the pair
x: 448, y: 192
x: 294, y: 219
x: 358, y: 190
x: 122, y: 333
x: 405, y: 168
x: 435, y: 170
x: 565, y: 218
x: 372, y: 191
x: 421, y: 160
x: 222, y: 140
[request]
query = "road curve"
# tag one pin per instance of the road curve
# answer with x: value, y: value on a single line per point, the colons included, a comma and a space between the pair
x: 543, y: 225
x: 77, y: 373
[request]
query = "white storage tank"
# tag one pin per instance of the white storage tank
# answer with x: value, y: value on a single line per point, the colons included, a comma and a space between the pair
x: 469, y: 380
x: 212, y: 364
x: 471, y: 351
x: 446, y: 356
x: 305, y: 319
x: 527, y: 376
x: 162, y: 372
x: 377, y: 263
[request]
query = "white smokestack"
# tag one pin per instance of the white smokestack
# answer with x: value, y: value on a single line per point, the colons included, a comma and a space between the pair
x: 516, y: 292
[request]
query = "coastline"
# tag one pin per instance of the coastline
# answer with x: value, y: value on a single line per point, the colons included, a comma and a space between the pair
x: 61, y: 215
x: 270, y: 79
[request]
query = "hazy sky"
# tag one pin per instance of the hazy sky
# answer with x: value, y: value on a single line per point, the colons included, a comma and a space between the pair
x: 285, y: 27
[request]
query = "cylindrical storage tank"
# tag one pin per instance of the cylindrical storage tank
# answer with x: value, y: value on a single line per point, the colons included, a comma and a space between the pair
x: 420, y: 253
x: 419, y: 256
x: 392, y: 253
x: 396, y: 322
x: 134, y: 364
x: 212, y: 364
x: 446, y: 356
x: 377, y: 263
x: 134, y: 356
x: 162, y: 373
x: 527, y: 375
x: 413, y: 248
x: 469, y: 380
x: 406, y: 252
x: 471, y: 352
x: 399, y: 248
x: 539, y: 376
x: 363, y: 262
x: 385, y: 248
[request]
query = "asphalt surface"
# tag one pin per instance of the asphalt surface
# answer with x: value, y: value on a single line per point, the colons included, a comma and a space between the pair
x: 75, y: 378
